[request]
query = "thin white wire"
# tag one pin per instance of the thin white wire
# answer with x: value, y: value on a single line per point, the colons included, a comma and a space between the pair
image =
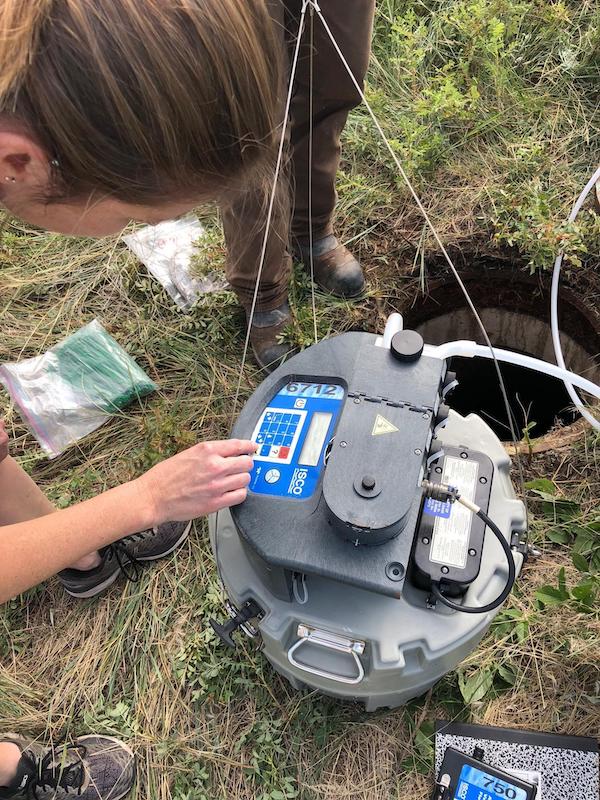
x: 423, y: 211
x: 310, y: 163
x: 278, y: 164
x: 554, y: 305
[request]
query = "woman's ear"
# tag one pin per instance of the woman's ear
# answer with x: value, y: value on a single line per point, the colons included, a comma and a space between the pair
x: 23, y: 163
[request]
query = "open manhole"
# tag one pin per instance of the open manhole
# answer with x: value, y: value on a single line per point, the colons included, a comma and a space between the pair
x: 515, y: 310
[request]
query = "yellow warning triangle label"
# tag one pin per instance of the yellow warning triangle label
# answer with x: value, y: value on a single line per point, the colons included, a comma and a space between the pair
x: 382, y: 425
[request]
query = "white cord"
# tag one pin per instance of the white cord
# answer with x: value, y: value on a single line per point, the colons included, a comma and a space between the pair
x: 302, y: 599
x: 554, y: 306
x: 272, y: 198
x: 464, y: 501
x: 310, y: 164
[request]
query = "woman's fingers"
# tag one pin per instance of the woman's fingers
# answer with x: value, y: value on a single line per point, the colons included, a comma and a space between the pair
x: 237, y: 464
x: 232, y: 482
x: 232, y: 498
x: 232, y: 447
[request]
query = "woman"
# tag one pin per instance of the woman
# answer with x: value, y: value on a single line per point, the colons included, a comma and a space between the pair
x: 111, y: 111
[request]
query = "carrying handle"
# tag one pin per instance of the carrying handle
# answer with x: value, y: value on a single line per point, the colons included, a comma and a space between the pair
x: 330, y: 641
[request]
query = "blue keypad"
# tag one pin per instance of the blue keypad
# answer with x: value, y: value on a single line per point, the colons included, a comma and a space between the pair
x: 278, y: 430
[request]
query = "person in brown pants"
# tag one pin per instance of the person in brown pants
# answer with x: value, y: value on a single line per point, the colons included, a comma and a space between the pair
x: 334, y: 96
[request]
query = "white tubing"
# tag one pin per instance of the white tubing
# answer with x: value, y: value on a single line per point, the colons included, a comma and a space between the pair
x: 554, y: 306
x: 467, y: 349
x: 394, y: 324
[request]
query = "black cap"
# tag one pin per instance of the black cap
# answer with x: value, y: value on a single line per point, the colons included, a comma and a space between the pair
x: 407, y: 345
x: 368, y: 482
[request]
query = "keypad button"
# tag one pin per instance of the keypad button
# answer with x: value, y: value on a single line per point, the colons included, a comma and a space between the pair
x: 265, y: 450
x: 284, y: 452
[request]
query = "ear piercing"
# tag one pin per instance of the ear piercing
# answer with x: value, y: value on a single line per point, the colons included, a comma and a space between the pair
x: 10, y: 179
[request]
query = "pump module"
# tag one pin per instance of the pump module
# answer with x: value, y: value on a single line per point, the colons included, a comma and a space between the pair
x: 360, y: 582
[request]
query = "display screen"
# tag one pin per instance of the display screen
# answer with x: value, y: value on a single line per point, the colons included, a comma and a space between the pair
x: 328, y: 391
x: 315, y: 439
x: 475, y: 784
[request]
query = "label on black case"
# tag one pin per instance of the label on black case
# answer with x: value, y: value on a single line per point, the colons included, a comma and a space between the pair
x: 451, y: 534
x: 476, y: 784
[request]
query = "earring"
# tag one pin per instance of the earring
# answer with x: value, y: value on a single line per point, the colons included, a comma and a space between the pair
x: 9, y: 178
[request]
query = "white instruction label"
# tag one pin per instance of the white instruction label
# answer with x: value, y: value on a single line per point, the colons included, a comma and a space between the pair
x: 529, y: 777
x: 450, y: 543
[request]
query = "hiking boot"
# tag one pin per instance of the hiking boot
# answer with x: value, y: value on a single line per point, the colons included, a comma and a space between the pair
x: 334, y: 267
x: 125, y: 557
x: 92, y: 768
x: 267, y: 327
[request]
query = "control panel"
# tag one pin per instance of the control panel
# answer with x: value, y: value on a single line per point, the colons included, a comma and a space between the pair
x: 292, y: 434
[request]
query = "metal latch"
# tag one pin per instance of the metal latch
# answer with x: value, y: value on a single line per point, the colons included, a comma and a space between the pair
x: 239, y: 619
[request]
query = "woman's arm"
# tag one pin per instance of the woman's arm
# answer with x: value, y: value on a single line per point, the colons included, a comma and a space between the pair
x: 198, y: 481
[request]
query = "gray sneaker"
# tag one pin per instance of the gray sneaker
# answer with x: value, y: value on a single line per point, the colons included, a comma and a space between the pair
x: 92, y: 768
x: 125, y: 557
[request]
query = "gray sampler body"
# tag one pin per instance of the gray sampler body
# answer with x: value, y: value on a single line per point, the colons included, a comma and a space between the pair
x: 341, y: 613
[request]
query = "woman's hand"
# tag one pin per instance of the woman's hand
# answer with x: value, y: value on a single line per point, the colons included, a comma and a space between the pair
x: 198, y: 481
x: 3, y: 441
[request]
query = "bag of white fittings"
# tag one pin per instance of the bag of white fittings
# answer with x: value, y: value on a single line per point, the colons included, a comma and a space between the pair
x: 166, y: 250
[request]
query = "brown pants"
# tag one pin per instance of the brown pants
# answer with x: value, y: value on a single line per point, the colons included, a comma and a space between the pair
x: 334, y: 96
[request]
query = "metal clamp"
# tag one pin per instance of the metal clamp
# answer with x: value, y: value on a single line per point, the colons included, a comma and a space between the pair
x: 330, y: 641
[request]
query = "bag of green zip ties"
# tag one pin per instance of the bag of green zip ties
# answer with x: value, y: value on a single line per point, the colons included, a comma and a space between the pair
x: 75, y: 387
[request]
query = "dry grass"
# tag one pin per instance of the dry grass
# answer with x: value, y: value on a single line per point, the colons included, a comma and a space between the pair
x: 139, y: 661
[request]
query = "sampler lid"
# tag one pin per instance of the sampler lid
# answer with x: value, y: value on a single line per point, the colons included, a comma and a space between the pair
x: 343, y: 430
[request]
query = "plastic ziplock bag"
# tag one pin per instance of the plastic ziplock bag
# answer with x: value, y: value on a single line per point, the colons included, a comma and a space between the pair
x: 75, y: 387
x: 166, y: 249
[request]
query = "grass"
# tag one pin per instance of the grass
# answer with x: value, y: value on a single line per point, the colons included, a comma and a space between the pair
x: 493, y: 106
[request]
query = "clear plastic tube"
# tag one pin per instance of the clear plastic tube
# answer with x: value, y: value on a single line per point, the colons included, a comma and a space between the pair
x: 554, y: 305
x: 467, y: 349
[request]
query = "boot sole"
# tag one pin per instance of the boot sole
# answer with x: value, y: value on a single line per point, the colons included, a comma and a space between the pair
x: 95, y: 590
x: 341, y: 296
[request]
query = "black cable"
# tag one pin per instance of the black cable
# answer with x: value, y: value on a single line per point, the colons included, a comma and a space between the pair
x: 512, y: 574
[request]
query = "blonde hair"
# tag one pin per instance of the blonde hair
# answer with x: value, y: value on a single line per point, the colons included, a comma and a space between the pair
x: 143, y: 99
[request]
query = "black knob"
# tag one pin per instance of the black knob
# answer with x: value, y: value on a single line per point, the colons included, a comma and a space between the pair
x: 249, y: 610
x: 407, y: 345
x: 224, y: 631
x: 368, y: 482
